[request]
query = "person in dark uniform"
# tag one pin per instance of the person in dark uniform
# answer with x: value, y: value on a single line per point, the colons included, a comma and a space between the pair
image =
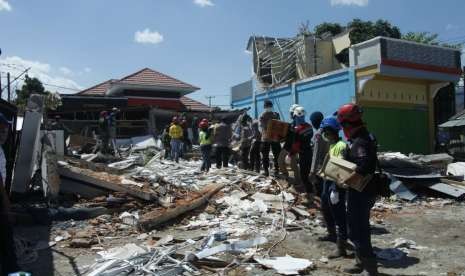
x: 333, y: 197
x: 103, y: 131
x: 255, y: 148
x: 267, y: 144
x: 362, y: 152
x: 8, y: 262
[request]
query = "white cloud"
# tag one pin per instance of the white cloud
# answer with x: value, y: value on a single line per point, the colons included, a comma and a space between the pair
x: 87, y: 69
x: 43, y: 71
x: 147, y: 36
x: 204, y: 3
x: 66, y: 71
x: 360, y: 3
x: 5, y: 6
x: 450, y: 27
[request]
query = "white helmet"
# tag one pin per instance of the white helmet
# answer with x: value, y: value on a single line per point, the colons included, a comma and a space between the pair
x: 293, y: 107
x: 299, y: 111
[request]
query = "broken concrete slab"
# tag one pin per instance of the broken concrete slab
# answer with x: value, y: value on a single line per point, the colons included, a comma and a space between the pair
x: 28, y: 153
x: 80, y: 175
x: 49, y: 167
x: 401, y: 190
x: 451, y: 190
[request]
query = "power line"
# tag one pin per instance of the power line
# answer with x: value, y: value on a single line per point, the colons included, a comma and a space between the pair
x: 51, y: 85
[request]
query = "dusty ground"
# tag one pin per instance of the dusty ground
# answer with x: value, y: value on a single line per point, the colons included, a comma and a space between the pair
x: 440, y: 229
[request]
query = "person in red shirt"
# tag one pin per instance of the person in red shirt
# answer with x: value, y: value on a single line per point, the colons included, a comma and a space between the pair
x: 302, y: 146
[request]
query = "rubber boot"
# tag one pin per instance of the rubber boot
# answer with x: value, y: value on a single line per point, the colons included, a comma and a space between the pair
x: 370, y: 267
x: 331, y: 237
x: 357, y: 268
x: 340, y: 250
x: 266, y: 172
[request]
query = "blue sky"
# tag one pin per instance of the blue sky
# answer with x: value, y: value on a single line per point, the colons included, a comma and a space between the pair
x: 80, y: 43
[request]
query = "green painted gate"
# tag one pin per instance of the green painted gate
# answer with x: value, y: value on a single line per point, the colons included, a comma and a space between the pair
x: 399, y: 129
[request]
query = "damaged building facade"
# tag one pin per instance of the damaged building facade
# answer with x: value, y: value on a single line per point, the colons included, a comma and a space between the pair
x: 400, y: 85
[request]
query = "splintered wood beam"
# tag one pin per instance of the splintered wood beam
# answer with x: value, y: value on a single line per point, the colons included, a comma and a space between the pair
x: 156, y: 218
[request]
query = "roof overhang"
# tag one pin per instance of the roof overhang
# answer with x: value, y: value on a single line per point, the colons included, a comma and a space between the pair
x: 117, y: 89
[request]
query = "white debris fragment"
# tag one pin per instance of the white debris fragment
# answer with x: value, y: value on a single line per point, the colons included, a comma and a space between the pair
x: 142, y: 236
x: 407, y: 244
x: 121, y: 253
x: 237, y: 246
x: 130, y: 218
x: 165, y: 240
x: 64, y: 236
x: 324, y: 260
x: 126, y: 181
x: 285, y: 265
x: 244, y: 208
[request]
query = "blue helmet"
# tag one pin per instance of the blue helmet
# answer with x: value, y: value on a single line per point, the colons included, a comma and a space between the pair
x: 332, y: 123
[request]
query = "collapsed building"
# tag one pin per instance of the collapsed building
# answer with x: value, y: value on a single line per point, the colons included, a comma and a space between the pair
x: 405, y: 88
x: 283, y: 60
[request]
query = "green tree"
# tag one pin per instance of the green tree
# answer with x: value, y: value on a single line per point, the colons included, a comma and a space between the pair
x: 428, y: 38
x: 327, y: 27
x: 35, y: 86
x: 365, y: 30
x: 422, y: 37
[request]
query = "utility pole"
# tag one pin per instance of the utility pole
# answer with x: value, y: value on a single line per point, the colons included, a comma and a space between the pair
x: 210, y: 100
x: 8, y: 85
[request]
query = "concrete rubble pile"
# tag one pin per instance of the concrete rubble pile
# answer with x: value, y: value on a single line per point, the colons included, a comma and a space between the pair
x: 413, y: 174
x: 236, y: 217
x: 179, y: 221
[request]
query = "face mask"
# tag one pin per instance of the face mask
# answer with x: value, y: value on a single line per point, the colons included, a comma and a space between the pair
x: 349, y: 130
x: 269, y: 109
x: 299, y: 120
x: 325, y: 137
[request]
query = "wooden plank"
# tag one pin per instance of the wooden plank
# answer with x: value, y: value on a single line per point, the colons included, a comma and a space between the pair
x: 461, y: 184
x: 76, y: 174
x: 156, y: 218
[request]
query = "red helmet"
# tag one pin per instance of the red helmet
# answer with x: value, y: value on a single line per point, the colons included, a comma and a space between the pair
x: 203, y: 123
x: 349, y: 113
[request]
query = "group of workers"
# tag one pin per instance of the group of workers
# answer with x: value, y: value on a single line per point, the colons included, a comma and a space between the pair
x: 346, y: 211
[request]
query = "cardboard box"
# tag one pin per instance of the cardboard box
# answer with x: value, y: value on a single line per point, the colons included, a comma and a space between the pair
x: 276, y: 130
x: 337, y: 169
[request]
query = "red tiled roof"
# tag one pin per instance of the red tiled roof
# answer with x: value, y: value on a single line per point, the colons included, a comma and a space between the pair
x: 145, y: 76
x: 148, y: 76
x: 97, y: 90
x: 193, y: 104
